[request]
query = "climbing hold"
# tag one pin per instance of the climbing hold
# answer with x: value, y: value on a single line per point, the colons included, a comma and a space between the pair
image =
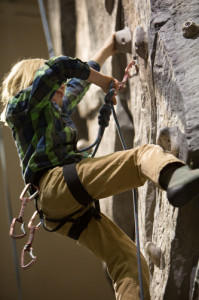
x: 189, y: 29
x: 124, y: 40
x: 155, y: 254
x: 140, y: 43
x: 168, y: 139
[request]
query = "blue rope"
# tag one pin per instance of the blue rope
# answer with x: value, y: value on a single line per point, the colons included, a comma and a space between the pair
x: 103, y: 120
x: 134, y: 192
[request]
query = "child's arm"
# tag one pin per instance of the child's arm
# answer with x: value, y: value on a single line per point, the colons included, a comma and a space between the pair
x: 108, y: 49
x: 100, y: 57
x: 103, y: 81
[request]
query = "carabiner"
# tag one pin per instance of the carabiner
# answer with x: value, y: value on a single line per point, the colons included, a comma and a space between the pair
x: 19, y: 219
x: 12, y: 226
x: 26, y: 189
x: 29, y: 249
x: 127, y: 72
x: 30, y: 226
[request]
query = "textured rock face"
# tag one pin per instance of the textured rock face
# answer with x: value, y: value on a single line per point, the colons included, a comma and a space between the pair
x: 160, y: 105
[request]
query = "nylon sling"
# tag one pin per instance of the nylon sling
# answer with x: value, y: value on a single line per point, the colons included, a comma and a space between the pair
x: 82, y: 196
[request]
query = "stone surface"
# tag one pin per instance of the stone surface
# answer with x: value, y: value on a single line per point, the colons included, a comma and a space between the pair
x: 160, y: 105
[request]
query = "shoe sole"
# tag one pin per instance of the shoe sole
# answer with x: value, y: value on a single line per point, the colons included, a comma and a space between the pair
x: 181, y: 195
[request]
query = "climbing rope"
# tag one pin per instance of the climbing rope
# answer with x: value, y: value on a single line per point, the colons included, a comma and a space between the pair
x: 135, y: 206
x: 103, y: 121
x: 134, y: 191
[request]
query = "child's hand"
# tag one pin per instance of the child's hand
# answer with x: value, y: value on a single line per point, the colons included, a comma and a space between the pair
x: 104, y: 82
x: 115, y: 84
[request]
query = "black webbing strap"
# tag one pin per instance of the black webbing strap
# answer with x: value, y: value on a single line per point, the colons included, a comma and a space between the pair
x: 75, y: 186
x: 60, y: 222
x: 78, y: 224
x: 81, y: 195
x: 82, y: 222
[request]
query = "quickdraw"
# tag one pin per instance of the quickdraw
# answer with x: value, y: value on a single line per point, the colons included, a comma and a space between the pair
x: 28, y: 247
x: 128, y: 72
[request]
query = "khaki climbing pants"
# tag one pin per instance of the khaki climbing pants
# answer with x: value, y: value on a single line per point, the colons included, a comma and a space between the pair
x: 102, y: 177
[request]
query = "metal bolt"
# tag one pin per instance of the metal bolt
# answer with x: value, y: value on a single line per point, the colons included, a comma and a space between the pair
x: 189, y: 29
x: 187, y: 24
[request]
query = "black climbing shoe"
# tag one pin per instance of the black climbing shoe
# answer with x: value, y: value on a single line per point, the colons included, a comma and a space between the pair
x: 183, y: 186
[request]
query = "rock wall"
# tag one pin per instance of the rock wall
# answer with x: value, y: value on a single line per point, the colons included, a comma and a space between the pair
x: 159, y: 106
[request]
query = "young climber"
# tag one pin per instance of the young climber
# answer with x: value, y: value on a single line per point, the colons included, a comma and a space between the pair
x: 39, y: 96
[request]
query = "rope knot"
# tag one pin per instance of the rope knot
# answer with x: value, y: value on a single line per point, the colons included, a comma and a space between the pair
x: 104, y: 115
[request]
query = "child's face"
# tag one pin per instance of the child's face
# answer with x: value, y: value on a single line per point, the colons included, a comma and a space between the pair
x: 59, y: 94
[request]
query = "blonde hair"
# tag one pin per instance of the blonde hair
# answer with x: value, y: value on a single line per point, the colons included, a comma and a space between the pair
x: 20, y: 77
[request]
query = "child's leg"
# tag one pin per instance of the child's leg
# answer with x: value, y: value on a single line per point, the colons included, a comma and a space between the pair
x: 103, y: 177
x: 112, y: 245
x: 123, y: 170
